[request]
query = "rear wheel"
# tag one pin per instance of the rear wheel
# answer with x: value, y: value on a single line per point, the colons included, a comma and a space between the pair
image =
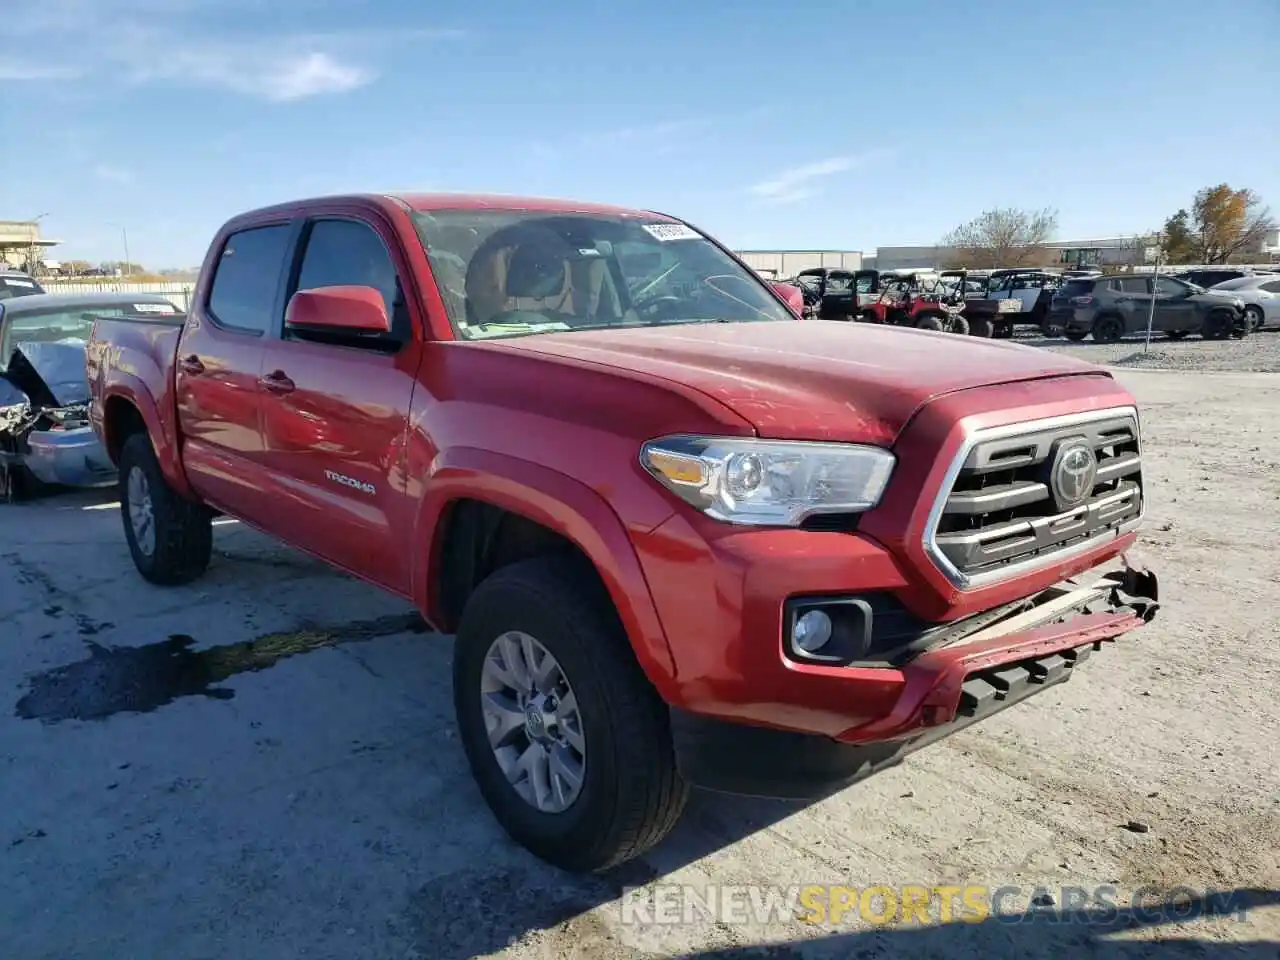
x: 1254, y: 316
x: 170, y: 538
x: 569, y: 743
x: 1108, y: 329
x: 980, y: 327
x: 959, y: 325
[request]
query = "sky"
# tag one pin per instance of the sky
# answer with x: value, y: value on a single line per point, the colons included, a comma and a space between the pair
x: 836, y: 124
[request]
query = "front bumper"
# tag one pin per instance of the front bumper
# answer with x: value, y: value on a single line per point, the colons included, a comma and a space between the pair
x: 72, y: 458
x: 942, y: 691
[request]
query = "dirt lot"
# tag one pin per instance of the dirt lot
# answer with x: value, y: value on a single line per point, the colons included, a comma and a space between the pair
x: 264, y: 764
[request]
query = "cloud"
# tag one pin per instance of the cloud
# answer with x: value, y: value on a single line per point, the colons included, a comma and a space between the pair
x: 798, y: 182
x: 278, y: 76
x: 113, y: 174
x: 185, y: 42
x: 21, y: 70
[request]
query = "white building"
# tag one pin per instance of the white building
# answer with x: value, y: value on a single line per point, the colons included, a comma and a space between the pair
x: 1098, y: 251
x: 787, y: 263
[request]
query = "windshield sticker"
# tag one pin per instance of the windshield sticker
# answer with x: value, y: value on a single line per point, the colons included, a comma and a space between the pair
x: 155, y: 308
x: 671, y: 231
x: 15, y: 282
x: 589, y: 252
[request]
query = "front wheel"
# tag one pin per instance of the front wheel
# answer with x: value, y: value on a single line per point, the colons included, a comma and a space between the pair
x: 930, y: 321
x: 568, y: 742
x: 170, y: 538
x: 980, y: 327
x: 959, y: 325
x: 1219, y: 325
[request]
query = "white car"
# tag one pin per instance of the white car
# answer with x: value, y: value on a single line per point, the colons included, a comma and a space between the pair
x: 1260, y: 293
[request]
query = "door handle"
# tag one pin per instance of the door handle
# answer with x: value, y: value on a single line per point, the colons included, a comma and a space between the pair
x: 191, y: 365
x: 277, y: 383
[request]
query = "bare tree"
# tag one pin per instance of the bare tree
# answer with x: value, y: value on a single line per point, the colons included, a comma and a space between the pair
x: 1222, y: 224
x: 1004, y: 238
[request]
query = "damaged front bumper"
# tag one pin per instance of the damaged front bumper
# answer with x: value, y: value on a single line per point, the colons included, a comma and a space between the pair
x: 1012, y: 654
x: 44, y: 422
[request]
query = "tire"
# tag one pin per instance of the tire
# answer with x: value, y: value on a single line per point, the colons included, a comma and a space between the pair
x: 632, y: 793
x: 1254, y: 316
x: 960, y: 326
x: 980, y: 327
x: 181, y: 543
x: 1242, y: 327
x: 1218, y: 325
x: 929, y: 321
x: 1075, y: 335
x: 1108, y: 329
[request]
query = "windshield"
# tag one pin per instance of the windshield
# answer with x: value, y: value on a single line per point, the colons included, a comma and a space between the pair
x: 506, y: 273
x: 1235, y: 284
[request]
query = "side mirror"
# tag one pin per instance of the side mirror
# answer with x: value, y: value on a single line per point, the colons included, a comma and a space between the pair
x: 351, y: 309
x: 791, y: 294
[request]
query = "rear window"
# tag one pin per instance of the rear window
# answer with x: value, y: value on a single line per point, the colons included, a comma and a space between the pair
x: 1076, y: 288
x: 17, y: 287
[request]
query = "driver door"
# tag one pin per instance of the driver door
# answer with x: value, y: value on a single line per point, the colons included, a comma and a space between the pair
x: 1175, y: 310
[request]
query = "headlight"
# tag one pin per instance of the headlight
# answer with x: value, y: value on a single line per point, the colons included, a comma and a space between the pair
x: 768, y: 482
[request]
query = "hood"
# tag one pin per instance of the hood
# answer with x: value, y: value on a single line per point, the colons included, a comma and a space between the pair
x: 50, y: 374
x: 815, y: 380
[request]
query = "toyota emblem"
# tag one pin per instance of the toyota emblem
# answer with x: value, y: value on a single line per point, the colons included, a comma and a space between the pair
x: 1075, y: 471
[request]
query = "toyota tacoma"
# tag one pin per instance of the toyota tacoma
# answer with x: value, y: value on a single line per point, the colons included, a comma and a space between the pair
x: 682, y: 536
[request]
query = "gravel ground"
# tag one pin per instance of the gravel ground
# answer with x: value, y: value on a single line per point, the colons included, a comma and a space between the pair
x: 264, y: 764
x: 1257, y: 353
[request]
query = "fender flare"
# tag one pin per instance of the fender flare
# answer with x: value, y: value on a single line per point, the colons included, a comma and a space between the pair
x: 562, y: 504
x: 131, y: 389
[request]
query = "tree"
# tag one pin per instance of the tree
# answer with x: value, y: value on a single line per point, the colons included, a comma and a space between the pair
x: 1221, y: 224
x: 1004, y: 238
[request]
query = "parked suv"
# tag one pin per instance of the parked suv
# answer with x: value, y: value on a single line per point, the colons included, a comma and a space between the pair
x: 1110, y: 308
x: 1207, y: 278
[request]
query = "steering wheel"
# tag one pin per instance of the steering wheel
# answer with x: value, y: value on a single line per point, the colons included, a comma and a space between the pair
x: 654, y: 306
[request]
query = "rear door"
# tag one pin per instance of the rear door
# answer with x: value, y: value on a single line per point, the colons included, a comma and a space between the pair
x: 1132, y: 298
x: 216, y: 374
x: 335, y: 412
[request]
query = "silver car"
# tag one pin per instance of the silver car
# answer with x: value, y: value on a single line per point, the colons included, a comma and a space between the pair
x: 1260, y: 293
x: 45, y: 437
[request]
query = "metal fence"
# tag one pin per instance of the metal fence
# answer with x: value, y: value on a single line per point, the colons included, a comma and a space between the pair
x: 178, y: 291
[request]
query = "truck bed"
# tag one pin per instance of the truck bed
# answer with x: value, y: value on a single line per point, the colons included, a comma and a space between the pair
x: 136, y: 354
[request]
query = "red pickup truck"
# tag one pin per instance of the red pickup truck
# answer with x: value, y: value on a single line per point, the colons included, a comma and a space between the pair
x: 682, y: 536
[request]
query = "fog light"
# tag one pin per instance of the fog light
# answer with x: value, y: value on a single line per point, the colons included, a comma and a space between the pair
x: 812, y: 631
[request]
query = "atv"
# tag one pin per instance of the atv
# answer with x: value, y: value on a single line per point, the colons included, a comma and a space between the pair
x: 829, y: 294
x: 912, y: 299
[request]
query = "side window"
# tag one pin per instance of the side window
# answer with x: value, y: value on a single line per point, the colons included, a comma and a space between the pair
x: 349, y: 253
x: 1133, y: 286
x: 243, y: 294
x: 1169, y: 288
x: 1272, y: 287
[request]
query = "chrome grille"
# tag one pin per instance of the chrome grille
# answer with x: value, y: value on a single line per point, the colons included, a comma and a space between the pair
x: 1000, y: 514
